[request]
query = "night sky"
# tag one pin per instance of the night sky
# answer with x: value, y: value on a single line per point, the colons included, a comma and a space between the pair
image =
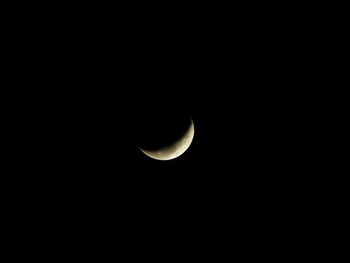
x: 85, y: 85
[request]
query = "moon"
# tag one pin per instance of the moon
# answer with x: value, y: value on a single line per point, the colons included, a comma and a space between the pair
x: 175, y: 149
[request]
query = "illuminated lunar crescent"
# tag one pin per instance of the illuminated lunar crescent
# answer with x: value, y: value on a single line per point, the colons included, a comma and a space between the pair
x: 174, y: 150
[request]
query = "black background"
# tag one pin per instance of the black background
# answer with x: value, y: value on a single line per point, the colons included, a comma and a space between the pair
x: 86, y: 85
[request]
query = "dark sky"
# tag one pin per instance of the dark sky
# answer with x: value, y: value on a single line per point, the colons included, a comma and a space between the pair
x: 84, y: 86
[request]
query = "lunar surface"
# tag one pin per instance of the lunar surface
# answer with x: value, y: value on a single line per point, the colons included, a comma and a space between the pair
x: 175, y: 149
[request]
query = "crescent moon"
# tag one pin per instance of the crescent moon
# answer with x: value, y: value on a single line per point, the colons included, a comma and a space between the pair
x: 175, y: 149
